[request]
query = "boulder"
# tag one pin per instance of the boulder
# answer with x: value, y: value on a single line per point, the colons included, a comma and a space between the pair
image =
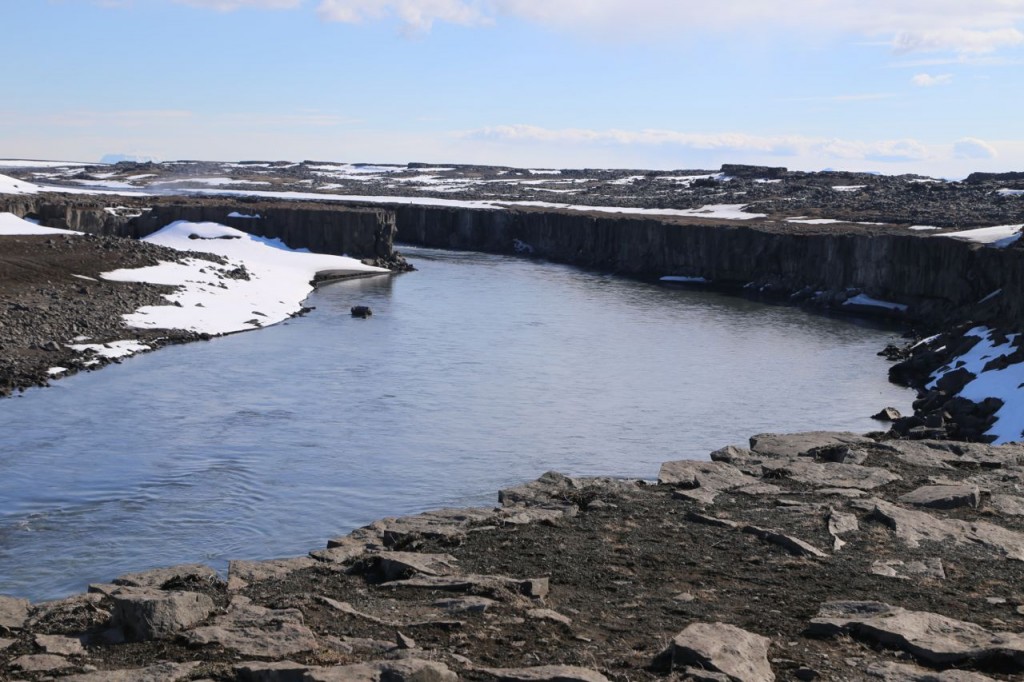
x: 887, y: 414
x: 944, y: 496
x: 930, y: 637
x: 723, y: 648
x: 145, y: 613
x: 256, y: 631
x: 13, y: 613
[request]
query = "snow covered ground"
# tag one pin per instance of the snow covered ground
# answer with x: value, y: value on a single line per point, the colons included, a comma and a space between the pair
x: 264, y: 281
x: 11, y: 225
x: 998, y: 236
x: 995, y: 383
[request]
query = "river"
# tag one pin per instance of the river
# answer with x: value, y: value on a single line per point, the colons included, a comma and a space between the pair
x: 474, y: 373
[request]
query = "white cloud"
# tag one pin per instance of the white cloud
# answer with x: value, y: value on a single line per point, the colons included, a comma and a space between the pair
x: 973, y: 148
x: 231, y: 5
x: 926, y: 80
x: 978, y: 26
x: 741, y: 143
x: 418, y: 15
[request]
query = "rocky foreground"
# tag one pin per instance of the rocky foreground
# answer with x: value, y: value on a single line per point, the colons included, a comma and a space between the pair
x: 810, y: 556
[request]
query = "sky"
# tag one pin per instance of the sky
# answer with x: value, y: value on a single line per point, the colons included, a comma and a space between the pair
x: 893, y: 86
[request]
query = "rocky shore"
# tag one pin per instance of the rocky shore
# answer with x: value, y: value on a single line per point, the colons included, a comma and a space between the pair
x: 53, y: 297
x: 826, y: 556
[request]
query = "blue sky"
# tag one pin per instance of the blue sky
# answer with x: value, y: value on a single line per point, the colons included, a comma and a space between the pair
x: 930, y: 86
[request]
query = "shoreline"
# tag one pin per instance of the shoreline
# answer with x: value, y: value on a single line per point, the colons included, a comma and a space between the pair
x: 607, y: 578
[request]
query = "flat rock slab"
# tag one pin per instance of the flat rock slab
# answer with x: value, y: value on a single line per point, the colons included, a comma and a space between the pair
x: 256, y: 631
x: 1008, y: 505
x: 789, y: 543
x: 830, y: 474
x: 41, y: 663
x: 6, y: 643
x: 161, y: 672
x: 242, y: 573
x: 546, y: 673
x: 788, y: 445
x: 159, y: 577
x: 469, y: 604
x: 59, y: 644
x: 146, y: 614
x: 13, y: 613
x: 703, y: 481
x: 930, y: 637
x: 553, y: 488
x: 841, y: 523
x: 944, y: 496
x: 399, y: 565
x: 908, y: 570
x: 277, y: 671
x: 549, y: 615
x: 914, y: 527
x: 532, y: 587
x: 722, y: 648
x: 903, y: 672
x: 404, y: 670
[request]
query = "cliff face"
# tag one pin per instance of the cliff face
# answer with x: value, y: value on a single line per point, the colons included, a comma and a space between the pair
x: 365, y: 233
x: 939, y: 278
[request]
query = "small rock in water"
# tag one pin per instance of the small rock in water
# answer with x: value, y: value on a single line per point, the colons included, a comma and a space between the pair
x: 888, y: 414
x: 361, y: 311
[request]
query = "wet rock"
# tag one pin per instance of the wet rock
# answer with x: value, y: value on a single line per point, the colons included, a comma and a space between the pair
x: 242, y: 573
x: 908, y: 570
x: 257, y: 631
x: 887, y: 414
x: 546, y: 673
x: 13, y: 613
x: 161, y: 672
x: 722, y: 648
x: 404, y: 670
x: 159, y: 577
x: 789, y: 445
x: 789, y: 543
x: 944, y: 496
x: 146, y: 614
x: 41, y: 663
x: 930, y: 637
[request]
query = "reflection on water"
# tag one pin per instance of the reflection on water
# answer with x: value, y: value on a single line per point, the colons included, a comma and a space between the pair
x: 474, y: 373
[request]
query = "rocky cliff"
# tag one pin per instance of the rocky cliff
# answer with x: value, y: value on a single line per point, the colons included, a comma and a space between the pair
x: 938, y: 278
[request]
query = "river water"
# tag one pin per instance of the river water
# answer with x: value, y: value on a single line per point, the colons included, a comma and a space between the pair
x: 474, y: 373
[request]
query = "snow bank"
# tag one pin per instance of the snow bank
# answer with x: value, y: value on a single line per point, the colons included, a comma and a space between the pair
x: 996, y: 383
x: 11, y: 224
x: 999, y: 236
x: 9, y: 185
x: 263, y: 283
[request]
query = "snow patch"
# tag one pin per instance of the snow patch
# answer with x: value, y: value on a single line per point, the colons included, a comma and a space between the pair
x: 263, y: 283
x: 998, y: 236
x: 11, y: 225
x: 865, y: 300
